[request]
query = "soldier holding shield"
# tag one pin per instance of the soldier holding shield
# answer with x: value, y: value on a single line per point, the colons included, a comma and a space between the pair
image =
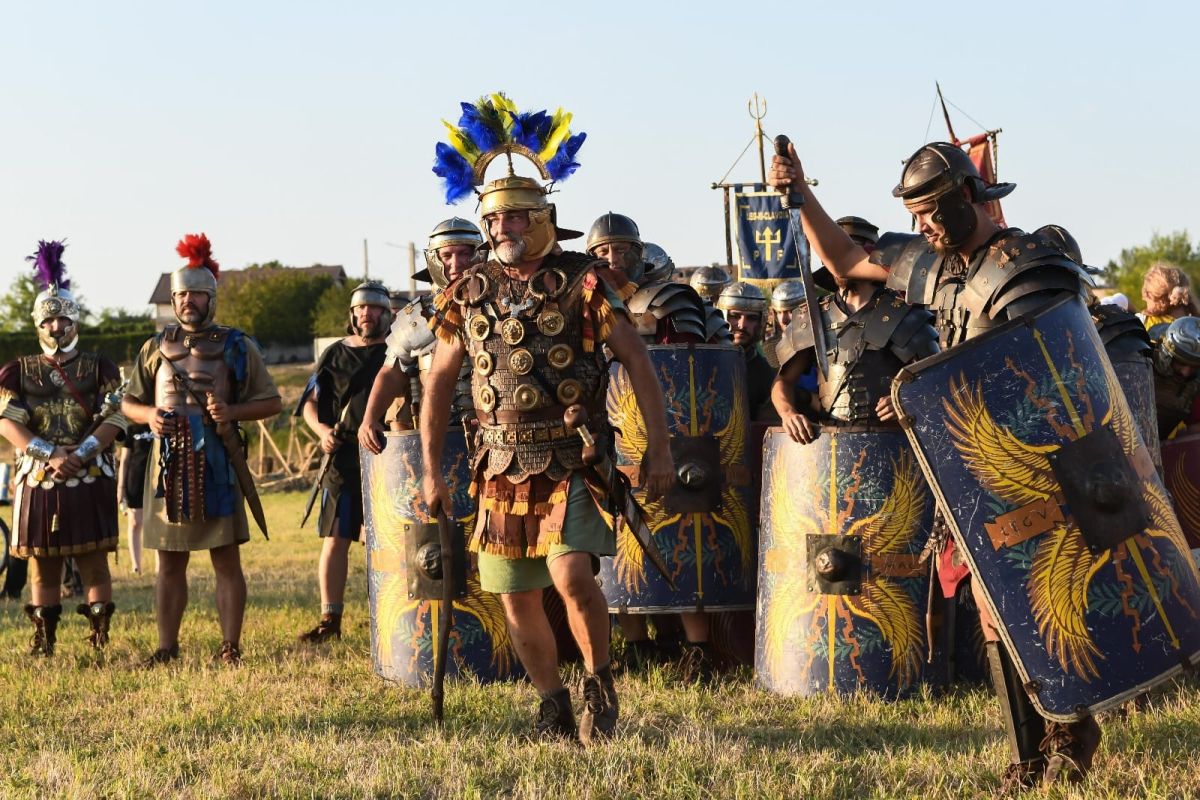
x: 974, y: 276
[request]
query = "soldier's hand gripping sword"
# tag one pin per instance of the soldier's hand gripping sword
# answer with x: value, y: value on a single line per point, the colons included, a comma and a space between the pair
x: 617, y: 486
x: 233, y: 449
x: 326, y: 460
x: 791, y: 202
x: 437, y: 691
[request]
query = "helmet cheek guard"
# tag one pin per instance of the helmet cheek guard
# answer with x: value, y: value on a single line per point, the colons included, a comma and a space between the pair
x: 956, y: 215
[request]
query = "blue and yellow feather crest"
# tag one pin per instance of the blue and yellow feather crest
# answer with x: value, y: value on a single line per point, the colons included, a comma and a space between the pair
x: 492, y: 125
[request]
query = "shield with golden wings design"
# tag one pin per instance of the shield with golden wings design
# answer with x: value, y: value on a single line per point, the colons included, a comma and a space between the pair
x: 842, y: 590
x: 703, y: 527
x: 1030, y: 446
x: 1181, y: 474
x: 405, y: 622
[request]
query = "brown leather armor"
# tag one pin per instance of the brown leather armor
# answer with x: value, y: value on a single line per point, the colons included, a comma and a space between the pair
x: 54, y: 413
x: 525, y: 348
x: 201, y: 357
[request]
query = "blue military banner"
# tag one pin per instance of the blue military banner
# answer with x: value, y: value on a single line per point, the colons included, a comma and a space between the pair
x: 765, y: 247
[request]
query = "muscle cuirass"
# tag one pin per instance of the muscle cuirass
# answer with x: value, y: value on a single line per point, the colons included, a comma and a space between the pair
x: 1173, y: 397
x: 525, y: 348
x: 199, y: 356
x: 54, y: 413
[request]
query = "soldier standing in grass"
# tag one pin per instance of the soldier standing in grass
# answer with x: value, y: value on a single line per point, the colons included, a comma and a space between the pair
x: 53, y: 411
x: 533, y: 321
x: 332, y: 406
x: 973, y: 275
x: 192, y: 383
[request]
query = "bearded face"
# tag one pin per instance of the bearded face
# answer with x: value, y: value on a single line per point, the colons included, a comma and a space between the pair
x: 191, y: 308
x: 368, y: 321
x: 507, y: 229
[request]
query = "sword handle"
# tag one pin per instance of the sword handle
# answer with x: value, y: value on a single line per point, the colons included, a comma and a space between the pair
x: 789, y: 199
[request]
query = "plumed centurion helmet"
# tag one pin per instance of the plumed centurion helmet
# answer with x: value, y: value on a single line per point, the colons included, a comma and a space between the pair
x: 937, y: 172
x: 55, y: 300
x: 198, y: 275
x: 490, y: 127
x: 447, y: 233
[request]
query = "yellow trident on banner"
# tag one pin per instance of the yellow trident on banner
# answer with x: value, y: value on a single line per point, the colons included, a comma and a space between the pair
x: 768, y: 237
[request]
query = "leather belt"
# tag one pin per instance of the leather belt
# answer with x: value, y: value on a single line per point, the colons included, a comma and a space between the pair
x: 512, y: 436
x: 509, y: 417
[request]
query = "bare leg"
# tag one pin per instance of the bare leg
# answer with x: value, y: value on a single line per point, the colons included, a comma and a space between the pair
x: 170, y: 595
x: 231, y: 590
x: 332, y: 569
x: 134, y: 517
x: 695, y: 626
x: 634, y: 627
x: 587, y: 611
x: 532, y: 638
x: 46, y: 587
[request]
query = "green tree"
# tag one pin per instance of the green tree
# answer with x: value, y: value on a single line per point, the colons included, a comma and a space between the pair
x: 18, y: 303
x: 333, y: 309
x: 1127, y: 272
x: 270, y: 302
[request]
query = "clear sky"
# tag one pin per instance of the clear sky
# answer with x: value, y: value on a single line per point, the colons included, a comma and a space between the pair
x: 294, y: 130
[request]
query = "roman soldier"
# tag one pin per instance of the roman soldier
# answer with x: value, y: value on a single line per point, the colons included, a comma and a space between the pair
x: 785, y: 298
x: 59, y: 410
x: 452, y: 247
x: 974, y: 276
x: 869, y: 333
x: 534, y: 322
x: 1177, y: 377
x: 332, y: 406
x: 665, y: 313
x: 745, y: 309
x: 192, y: 383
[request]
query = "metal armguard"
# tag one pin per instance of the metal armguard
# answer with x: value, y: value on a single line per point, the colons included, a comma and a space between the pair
x: 39, y: 449
x: 88, y: 448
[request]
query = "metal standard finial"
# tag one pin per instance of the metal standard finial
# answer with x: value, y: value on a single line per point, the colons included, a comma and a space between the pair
x: 757, y: 106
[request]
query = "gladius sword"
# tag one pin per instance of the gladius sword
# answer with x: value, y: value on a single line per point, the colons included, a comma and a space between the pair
x: 791, y: 202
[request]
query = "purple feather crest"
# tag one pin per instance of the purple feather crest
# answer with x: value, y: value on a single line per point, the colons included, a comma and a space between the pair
x: 48, y: 267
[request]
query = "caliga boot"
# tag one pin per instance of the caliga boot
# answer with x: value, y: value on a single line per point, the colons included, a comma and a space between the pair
x: 1069, y: 748
x: 555, y: 718
x: 600, y: 707
x: 162, y: 656
x: 328, y: 628
x: 1025, y: 726
x: 45, y: 628
x: 229, y: 654
x: 696, y: 664
x: 99, y: 615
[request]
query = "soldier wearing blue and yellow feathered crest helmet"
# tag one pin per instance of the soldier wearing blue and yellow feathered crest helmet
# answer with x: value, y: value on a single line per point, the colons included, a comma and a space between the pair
x: 534, y: 321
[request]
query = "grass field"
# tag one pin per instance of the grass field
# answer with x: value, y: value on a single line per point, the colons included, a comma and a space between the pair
x: 302, y: 722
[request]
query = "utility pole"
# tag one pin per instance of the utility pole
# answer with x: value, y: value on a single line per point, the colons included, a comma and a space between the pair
x: 366, y: 262
x: 412, y: 268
